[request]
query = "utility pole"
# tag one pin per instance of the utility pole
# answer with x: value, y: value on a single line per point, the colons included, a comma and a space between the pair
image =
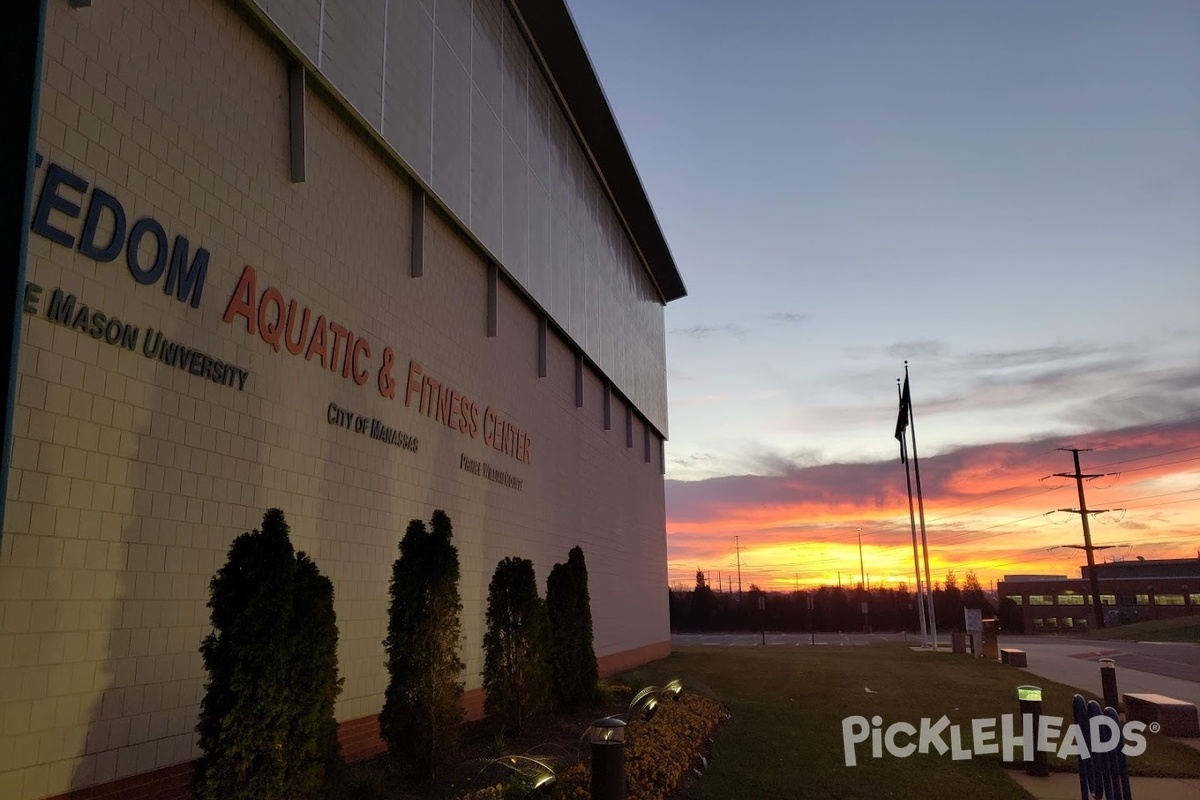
x: 737, y: 543
x: 1082, y: 511
x: 862, y: 587
x: 861, y: 569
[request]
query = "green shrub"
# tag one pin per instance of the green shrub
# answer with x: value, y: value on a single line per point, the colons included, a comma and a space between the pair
x: 422, y: 715
x: 316, y: 753
x: 572, y: 654
x: 266, y: 720
x: 515, y: 669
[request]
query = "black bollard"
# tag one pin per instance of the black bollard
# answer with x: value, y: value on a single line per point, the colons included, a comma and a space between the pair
x: 1031, y: 703
x: 1108, y: 679
x: 608, y: 759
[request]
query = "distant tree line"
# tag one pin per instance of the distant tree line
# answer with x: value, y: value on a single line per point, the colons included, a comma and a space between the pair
x: 834, y: 608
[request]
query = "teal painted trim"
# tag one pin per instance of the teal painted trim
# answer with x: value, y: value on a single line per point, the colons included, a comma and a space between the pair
x: 23, y: 64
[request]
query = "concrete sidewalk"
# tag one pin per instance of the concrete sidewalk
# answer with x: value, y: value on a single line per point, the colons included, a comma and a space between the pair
x: 1076, y: 665
x: 1065, y: 786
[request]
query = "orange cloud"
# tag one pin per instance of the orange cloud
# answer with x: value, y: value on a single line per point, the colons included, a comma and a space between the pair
x: 989, y: 508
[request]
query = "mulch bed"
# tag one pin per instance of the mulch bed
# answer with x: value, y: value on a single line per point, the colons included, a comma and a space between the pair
x: 662, y: 756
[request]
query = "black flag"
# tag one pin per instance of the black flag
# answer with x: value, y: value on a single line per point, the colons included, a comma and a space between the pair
x: 902, y: 421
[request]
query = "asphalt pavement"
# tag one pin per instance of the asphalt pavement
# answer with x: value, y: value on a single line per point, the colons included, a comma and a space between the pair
x: 1158, y: 668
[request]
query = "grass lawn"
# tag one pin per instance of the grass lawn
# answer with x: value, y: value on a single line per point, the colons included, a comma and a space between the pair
x: 1181, y: 629
x: 787, y: 705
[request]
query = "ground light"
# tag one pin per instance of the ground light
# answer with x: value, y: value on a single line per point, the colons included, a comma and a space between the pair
x: 534, y: 775
x: 1030, y: 698
x: 608, y: 759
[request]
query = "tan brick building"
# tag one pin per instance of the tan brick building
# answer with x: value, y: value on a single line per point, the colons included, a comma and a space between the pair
x: 357, y: 260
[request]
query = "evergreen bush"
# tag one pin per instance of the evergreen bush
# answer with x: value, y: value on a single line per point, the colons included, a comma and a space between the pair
x: 573, y: 666
x: 422, y: 715
x: 316, y: 753
x: 515, y: 669
x: 266, y: 720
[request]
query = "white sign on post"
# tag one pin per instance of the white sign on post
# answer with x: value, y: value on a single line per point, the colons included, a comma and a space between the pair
x: 974, y: 620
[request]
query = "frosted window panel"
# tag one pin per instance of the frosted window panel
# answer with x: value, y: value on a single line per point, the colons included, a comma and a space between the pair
x: 408, y: 91
x: 352, y: 53
x: 578, y: 326
x: 515, y: 77
x: 451, y: 129
x: 485, y: 53
x: 560, y: 164
x: 539, y: 242
x: 486, y: 173
x: 539, y: 135
x: 560, y: 277
x: 300, y: 22
x: 515, y: 254
x: 577, y: 174
x: 453, y: 20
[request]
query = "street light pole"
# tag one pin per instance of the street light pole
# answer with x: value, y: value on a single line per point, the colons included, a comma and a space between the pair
x: 863, y: 572
x: 862, y: 569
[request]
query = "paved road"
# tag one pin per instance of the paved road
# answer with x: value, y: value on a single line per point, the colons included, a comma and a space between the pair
x: 787, y: 639
x: 1172, y: 660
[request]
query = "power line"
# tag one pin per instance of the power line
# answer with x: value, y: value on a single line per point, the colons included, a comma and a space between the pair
x: 993, y: 505
x: 1169, y: 503
x: 1156, y: 466
x: 1152, y: 455
x: 1152, y: 496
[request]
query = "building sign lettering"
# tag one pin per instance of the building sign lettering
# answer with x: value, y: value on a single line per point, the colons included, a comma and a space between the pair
x: 148, y: 255
x: 104, y: 231
x: 66, y: 310
x: 370, y: 426
x: 284, y: 324
x: 487, y: 471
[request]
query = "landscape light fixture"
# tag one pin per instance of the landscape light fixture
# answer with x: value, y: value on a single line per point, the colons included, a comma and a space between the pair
x: 608, y: 759
x: 1029, y: 694
x: 644, y: 703
x: 1030, y: 698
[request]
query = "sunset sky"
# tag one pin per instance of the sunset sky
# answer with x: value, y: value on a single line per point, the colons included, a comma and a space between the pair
x: 1007, y: 195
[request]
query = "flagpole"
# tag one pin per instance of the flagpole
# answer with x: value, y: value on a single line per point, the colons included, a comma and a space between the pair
x: 921, y: 510
x: 912, y: 522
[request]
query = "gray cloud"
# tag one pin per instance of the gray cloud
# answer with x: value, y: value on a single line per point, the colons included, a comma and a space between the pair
x: 708, y: 331
x: 911, y: 348
x: 1162, y: 397
x: 1001, y: 359
x: 676, y: 375
x: 788, y: 316
x: 769, y: 462
x: 694, y: 459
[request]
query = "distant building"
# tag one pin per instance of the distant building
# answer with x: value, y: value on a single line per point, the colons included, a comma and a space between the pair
x: 1130, y: 591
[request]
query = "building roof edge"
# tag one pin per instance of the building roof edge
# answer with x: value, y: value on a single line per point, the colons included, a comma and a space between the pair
x: 556, y: 39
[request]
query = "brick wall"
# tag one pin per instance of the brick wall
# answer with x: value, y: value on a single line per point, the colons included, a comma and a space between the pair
x: 131, y: 476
